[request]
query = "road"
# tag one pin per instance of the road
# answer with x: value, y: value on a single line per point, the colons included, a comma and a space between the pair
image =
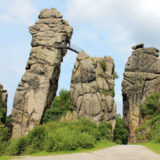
x: 120, y: 152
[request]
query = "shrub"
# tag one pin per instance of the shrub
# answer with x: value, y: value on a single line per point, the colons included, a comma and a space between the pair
x: 149, y: 130
x: 64, y: 139
x: 150, y: 112
x: 151, y: 106
x: 36, y: 138
x: 115, y: 75
x: 60, y: 136
x: 120, y: 132
x: 103, y: 65
x: 17, y: 147
x: 4, y: 137
x: 105, y: 130
x: 60, y: 105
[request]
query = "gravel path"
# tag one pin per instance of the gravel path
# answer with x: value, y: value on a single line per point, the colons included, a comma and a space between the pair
x: 120, y: 152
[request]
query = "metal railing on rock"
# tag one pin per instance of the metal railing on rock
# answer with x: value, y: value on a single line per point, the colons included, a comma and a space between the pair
x: 74, y: 48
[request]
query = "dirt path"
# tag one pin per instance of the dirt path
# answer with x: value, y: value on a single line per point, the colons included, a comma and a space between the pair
x: 120, y: 152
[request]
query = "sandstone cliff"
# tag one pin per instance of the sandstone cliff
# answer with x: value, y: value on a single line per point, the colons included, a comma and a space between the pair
x: 141, y: 78
x: 3, y: 104
x: 38, y: 86
x: 92, y: 88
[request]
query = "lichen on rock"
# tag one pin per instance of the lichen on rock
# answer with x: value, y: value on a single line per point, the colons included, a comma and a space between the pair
x: 92, y: 88
x: 38, y: 86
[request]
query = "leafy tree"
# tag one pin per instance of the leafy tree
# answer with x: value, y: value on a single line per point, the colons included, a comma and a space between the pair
x: 120, y: 132
x: 60, y: 105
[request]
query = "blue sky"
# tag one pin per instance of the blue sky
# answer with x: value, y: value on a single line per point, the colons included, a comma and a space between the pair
x: 103, y: 27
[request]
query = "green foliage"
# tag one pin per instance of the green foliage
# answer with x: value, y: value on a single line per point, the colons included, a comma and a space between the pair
x: 60, y: 105
x: 105, y: 130
x: 8, y: 123
x: 4, y: 137
x: 112, y: 93
x: 106, y: 93
x: 151, y: 106
x: 16, y: 147
x: 3, y: 110
x: 60, y: 136
x: 103, y: 65
x: 149, y: 130
x: 120, y: 131
x: 115, y: 75
x: 109, y: 93
x: 150, y: 112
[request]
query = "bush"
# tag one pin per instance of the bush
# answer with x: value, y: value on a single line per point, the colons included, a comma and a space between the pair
x: 105, y: 130
x: 120, y: 132
x: 5, y: 134
x: 16, y: 147
x: 60, y: 105
x: 149, y: 130
x: 4, y: 137
x: 151, y: 106
x: 36, y: 138
x: 64, y: 139
x: 150, y: 112
x: 103, y: 65
x: 60, y: 136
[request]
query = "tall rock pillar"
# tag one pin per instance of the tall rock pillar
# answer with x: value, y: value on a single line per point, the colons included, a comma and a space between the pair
x: 141, y: 78
x: 38, y: 86
x: 92, y: 88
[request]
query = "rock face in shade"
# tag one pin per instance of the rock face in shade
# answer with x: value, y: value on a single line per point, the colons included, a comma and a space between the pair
x: 92, y: 88
x: 38, y: 86
x: 141, y: 78
x: 3, y: 107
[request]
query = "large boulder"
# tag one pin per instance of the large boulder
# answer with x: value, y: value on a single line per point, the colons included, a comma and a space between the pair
x: 92, y: 88
x: 3, y: 104
x: 38, y: 86
x: 141, y: 78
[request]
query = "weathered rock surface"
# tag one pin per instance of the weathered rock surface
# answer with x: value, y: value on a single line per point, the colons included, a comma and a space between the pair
x: 141, y: 78
x: 3, y: 106
x: 92, y: 88
x: 38, y: 85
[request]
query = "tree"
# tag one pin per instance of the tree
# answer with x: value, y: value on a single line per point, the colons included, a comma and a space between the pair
x: 60, y: 105
x: 120, y: 131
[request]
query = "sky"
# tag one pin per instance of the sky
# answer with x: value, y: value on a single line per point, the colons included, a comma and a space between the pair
x: 101, y: 27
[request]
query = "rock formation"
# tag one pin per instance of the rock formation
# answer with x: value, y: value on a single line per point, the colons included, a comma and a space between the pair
x: 92, y: 88
x: 38, y: 86
x: 141, y: 78
x: 3, y: 104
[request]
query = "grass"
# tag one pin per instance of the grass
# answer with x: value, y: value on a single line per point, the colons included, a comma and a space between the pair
x: 155, y: 147
x: 7, y: 157
x: 99, y: 145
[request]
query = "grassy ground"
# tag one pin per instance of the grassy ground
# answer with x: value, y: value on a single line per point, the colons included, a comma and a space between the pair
x: 98, y: 146
x: 155, y: 147
x: 7, y: 157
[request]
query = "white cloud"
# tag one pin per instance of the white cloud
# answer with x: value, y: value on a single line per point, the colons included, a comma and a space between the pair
x: 17, y: 11
x: 139, y: 18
